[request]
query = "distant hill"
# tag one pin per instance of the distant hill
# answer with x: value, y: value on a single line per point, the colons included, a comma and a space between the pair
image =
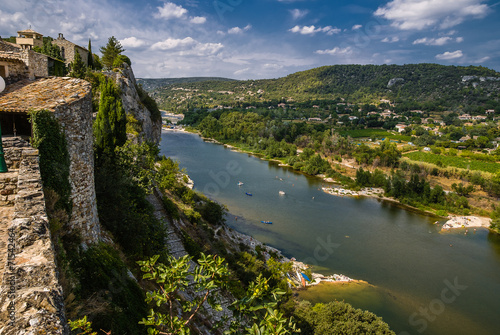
x: 429, y: 86
x: 151, y: 84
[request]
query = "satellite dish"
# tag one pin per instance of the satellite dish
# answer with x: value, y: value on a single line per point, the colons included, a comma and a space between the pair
x: 2, y: 84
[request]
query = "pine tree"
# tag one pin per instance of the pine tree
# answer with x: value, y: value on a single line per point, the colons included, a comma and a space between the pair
x: 110, y: 124
x: 111, y: 51
x: 90, y: 62
x: 78, y: 67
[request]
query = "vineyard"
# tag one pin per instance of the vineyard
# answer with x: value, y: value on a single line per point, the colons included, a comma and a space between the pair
x: 454, y: 161
x: 378, y: 133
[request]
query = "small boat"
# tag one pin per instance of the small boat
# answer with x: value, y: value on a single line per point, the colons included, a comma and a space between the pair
x: 249, y: 194
x: 281, y: 192
x: 267, y: 222
x: 240, y: 183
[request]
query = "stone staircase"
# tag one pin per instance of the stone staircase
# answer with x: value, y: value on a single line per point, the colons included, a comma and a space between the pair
x: 177, y: 250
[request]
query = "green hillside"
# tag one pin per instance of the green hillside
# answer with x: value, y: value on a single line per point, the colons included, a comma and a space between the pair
x: 151, y: 84
x: 425, y: 86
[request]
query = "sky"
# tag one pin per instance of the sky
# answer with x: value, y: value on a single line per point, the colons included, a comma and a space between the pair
x: 258, y: 39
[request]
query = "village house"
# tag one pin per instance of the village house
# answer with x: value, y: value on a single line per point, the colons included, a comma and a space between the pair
x: 479, y: 117
x: 68, y: 50
x: 401, y: 127
x: 465, y: 117
x: 490, y: 111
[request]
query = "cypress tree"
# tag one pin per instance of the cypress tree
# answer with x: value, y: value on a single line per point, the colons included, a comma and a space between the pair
x: 110, y: 124
x: 78, y: 67
x: 90, y: 62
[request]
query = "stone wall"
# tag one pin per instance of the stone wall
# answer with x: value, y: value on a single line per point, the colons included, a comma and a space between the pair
x: 17, y: 70
x: 13, y: 149
x: 31, y: 299
x: 76, y: 120
x: 40, y: 64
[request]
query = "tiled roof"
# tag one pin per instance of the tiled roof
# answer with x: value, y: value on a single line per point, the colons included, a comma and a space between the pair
x: 10, y: 56
x: 45, y: 93
x: 29, y: 31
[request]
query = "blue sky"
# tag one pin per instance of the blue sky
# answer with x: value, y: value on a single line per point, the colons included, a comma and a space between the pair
x: 253, y: 39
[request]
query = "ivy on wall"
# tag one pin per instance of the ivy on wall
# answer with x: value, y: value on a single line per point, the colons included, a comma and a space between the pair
x: 50, y: 141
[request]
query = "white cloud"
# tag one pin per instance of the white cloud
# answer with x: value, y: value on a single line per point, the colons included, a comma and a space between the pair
x: 11, y: 22
x: 482, y: 60
x: 170, y: 11
x: 459, y: 39
x: 421, y: 14
x: 298, y: 14
x: 173, y: 43
x: 132, y: 42
x: 242, y: 71
x: 393, y: 39
x: 357, y: 26
x: 433, y: 41
x: 450, y: 55
x: 311, y: 30
x: 238, y: 30
x: 335, y: 51
x: 187, y: 46
x: 198, y: 20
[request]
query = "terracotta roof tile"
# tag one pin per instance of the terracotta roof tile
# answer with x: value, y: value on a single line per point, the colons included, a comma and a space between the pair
x: 45, y: 93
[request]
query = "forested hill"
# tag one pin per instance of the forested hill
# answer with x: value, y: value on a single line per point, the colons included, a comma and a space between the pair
x: 431, y: 84
x: 151, y: 84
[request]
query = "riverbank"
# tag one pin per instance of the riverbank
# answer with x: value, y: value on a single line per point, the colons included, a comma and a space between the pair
x: 455, y: 222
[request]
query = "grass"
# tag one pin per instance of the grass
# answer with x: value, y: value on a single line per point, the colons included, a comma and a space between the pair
x: 454, y: 161
x: 379, y: 133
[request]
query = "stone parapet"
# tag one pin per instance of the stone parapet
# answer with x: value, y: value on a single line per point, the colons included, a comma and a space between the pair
x: 31, y: 299
x: 13, y: 148
x: 76, y: 120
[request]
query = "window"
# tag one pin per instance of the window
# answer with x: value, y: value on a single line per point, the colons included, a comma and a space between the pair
x: 3, y: 71
x: 62, y: 53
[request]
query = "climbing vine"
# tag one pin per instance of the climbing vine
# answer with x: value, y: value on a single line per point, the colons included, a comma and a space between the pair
x: 49, y: 139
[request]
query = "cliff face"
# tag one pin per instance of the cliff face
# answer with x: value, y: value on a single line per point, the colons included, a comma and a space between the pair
x: 151, y: 130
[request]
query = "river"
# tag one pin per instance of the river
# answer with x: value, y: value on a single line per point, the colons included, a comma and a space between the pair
x: 421, y: 281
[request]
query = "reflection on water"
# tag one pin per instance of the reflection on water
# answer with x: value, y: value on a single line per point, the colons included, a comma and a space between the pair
x: 402, y: 254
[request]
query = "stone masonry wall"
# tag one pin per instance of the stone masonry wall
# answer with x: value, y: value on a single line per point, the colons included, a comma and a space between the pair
x: 17, y: 71
x: 13, y: 149
x: 40, y: 65
x: 76, y: 120
x: 31, y: 299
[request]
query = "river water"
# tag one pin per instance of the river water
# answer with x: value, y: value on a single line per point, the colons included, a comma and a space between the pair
x: 421, y: 281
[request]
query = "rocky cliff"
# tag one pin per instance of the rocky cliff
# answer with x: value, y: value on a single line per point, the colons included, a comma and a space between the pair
x: 150, y: 129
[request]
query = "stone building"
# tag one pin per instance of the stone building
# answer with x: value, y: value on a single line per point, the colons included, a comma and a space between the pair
x: 28, y: 39
x: 70, y: 100
x: 19, y: 62
x: 68, y: 50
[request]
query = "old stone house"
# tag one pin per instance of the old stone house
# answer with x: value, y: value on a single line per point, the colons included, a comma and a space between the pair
x: 68, y: 50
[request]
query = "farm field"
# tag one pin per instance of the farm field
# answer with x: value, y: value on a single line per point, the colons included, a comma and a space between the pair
x: 379, y: 133
x: 454, y: 161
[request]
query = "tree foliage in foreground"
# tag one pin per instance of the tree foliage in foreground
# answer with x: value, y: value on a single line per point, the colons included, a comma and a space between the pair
x: 256, y: 313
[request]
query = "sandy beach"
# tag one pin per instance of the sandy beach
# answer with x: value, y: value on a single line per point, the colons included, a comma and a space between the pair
x: 466, y: 222
x: 367, y: 192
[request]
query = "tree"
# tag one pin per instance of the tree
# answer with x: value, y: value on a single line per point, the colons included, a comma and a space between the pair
x: 78, y: 68
x: 110, y: 124
x: 90, y: 62
x: 256, y: 313
x: 110, y: 52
